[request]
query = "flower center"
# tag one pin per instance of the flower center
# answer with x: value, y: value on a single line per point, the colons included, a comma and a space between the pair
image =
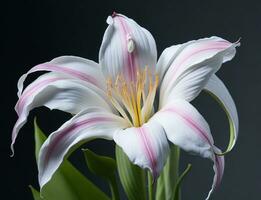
x: 134, y: 99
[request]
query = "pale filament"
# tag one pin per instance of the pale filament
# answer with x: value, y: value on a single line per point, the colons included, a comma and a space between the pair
x: 134, y: 100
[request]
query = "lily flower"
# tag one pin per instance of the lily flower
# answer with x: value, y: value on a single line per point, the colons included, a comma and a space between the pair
x: 130, y: 97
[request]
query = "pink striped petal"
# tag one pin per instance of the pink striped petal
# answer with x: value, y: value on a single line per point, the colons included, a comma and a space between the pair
x: 146, y: 146
x: 186, y: 128
x: 57, y: 92
x: 88, y: 125
x: 72, y: 66
x: 126, y: 48
x: 189, y: 66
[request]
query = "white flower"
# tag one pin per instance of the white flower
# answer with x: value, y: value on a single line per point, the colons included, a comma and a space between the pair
x: 115, y: 99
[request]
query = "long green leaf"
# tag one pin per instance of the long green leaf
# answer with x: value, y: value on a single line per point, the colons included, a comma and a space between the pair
x: 132, y: 177
x: 105, y: 167
x: 169, y: 176
x: 100, y: 165
x: 67, y: 183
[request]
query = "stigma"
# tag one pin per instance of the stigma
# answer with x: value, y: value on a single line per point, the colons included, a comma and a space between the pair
x: 134, y: 100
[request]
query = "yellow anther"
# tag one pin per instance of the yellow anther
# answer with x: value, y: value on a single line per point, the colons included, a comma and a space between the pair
x: 134, y: 100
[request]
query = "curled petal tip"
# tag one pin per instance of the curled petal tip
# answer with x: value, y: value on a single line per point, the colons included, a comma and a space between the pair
x: 12, y: 151
x: 114, y: 14
x: 238, y: 42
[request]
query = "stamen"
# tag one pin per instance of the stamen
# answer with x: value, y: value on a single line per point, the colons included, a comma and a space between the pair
x: 134, y: 100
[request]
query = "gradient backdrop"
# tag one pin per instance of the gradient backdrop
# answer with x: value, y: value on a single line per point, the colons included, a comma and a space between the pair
x: 37, y: 31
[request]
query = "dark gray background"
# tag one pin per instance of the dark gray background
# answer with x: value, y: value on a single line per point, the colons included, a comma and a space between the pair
x: 37, y: 31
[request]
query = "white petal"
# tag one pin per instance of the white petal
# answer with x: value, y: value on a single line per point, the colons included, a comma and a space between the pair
x: 72, y: 66
x: 186, y: 128
x: 126, y: 48
x: 166, y: 59
x: 146, y: 146
x: 57, y: 92
x: 90, y: 124
x: 217, y: 89
x: 189, y: 66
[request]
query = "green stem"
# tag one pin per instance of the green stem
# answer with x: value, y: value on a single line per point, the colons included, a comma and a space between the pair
x: 114, y: 188
x: 150, y: 186
x: 176, y: 193
x: 169, y: 176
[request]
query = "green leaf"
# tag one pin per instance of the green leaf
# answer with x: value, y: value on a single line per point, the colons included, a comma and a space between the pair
x: 100, y: 165
x: 105, y: 167
x: 176, y: 194
x: 132, y: 177
x: 35, y: 193
x: 67, y: 183
x: 169, y: 176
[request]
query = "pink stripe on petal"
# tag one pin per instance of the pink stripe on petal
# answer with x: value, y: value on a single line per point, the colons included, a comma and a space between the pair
x: 30, y: 90
x: 148, y: 149
x: 219, y: 166
x: 130, y: 58
x: 72, y: 72
x: 190, y: 122
x: 124, y: 48
x: 219, y: 45
x: 70, y: 130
